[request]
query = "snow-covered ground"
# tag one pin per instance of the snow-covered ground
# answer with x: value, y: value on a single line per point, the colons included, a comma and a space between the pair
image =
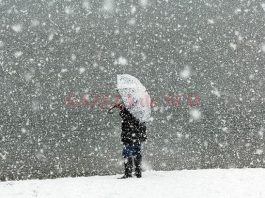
x: 236, y: 183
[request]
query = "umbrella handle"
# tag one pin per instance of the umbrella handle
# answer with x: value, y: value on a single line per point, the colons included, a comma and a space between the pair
x: 110, y: 111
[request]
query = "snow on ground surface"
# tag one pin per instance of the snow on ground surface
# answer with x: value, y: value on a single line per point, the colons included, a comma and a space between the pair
x: 236, y: 183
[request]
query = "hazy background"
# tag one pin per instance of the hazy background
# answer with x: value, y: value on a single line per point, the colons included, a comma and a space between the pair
x: 50, y: 50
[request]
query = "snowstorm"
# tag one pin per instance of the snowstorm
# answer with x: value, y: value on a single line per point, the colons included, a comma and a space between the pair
x: 201, y: 62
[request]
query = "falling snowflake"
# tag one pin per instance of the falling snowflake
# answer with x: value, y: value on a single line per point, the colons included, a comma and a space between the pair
x: 86, y: 5
x: 224, y: 129
x: 3, y: 156
x: 169, y: 117
x: 18, y: 54
x: 185, y: 73
x: 263, y: 6
x: 1, y: 44
x: 17, y: 27
x: 35, y: 22
x: 239, y: 37
x: 263, y: 47
x: 50, y: 37
x: 108, y: 5
x: 210, y: 21
x: 133, y: 9
x: 261, y: 132
x: 73, y: 57
x: 216, y: 92
x: 68, y: 10
x: 64, y: 70
x: 132, y: 21
x: 238, y: 10
x: 23, y: 130
x: 82, y: 70
x: 28, y: 76
x: 143, y: 3
x: 122, y: 61
x: 259, y: 151
x: 233, y: 46
x: 251, y: 76
x: 195, y: 114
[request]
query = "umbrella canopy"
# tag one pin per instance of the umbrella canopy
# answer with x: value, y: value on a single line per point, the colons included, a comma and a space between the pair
x: 134, y: 96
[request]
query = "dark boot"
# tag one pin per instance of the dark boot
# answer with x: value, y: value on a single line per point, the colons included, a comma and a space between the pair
x: 128, y: 166
x: 137, y: 163
x: 124, y: 177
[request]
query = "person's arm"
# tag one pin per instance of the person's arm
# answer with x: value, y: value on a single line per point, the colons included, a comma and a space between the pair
x: 119, y: 105
x: 142, y: 131
x: 125, y: 135
x: 110, y: 109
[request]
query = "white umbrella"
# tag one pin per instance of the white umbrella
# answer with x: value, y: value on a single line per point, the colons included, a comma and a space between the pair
x: 134, y: 96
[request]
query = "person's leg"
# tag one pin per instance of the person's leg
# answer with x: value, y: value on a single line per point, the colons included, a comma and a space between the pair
x: 137, y: 163
x: 128, y: 166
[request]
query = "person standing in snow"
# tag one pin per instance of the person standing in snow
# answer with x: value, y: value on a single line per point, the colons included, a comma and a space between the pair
x: 132, y: 136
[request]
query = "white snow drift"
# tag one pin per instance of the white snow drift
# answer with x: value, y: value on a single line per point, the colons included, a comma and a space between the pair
x: 232, y: 183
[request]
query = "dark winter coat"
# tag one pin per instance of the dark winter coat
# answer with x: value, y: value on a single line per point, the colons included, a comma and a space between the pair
x: 133, y: 131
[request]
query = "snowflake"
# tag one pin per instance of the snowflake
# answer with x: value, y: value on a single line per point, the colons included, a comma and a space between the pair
x: 17, y: 27
x: 195, y: 114
x: 18, y: 54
